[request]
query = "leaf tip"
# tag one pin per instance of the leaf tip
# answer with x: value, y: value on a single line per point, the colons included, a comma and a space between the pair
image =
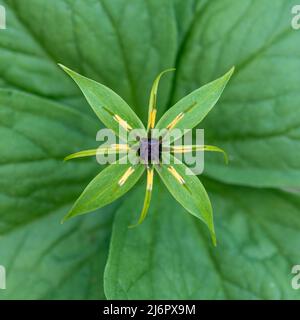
x: 69, y: 215
x: 66, y: 69
x: 214, y: 239
x: 66, y: 217
x: 62, y: 66
x: 231, y: 71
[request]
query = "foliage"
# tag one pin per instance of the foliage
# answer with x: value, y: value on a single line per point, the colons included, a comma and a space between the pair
x: 124, y: 45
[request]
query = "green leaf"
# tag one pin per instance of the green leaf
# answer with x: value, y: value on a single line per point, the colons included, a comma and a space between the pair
x: 47, y: 260
x: 34, y: 179
x: 124, y: 45
x: 195, y: 106
x: 77, y: 36
x: 43, y: 259
x: 106, y: 104
x: 191, y: 194
x: 169, y: 255
x: 106, y: 187
x: 37, y: 188
x: 257, y: 118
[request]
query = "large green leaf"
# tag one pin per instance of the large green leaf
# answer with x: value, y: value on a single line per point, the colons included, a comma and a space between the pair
x: 124, y: 45
x: 100, y: 39
x: 47, y: 260
x: 35, y: 137
x: 44, y: 259
x: 36, y: 186
x: 169, y: 255
x: 191, y: 43
x: 257, y: 118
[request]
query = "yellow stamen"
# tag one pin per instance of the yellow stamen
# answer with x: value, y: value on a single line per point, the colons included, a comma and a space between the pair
x: 152, y: 118
x: 176, y: 175
x: 180, y: 149
x: 175, y: 121
x: 122, y: 122
x: 125, y: 176
x: 150, y: 179
x: 120, y: 146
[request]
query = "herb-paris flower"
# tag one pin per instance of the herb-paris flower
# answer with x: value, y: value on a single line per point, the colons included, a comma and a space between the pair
x: 115, y: 180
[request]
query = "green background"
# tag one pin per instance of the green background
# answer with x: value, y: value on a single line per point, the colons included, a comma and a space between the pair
x: 124, y: 44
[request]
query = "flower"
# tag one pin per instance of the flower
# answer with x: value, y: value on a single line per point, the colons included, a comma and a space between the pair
x: 148, y: 148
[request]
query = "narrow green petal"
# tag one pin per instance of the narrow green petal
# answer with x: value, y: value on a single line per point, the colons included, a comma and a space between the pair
x: 153, y: 99
x: 100, y: 150
x: 81, y: 154
x: 147, y: 199
x: 191, y: 148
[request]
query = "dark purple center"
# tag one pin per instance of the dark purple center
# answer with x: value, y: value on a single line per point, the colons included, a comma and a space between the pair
x: 150, y: 150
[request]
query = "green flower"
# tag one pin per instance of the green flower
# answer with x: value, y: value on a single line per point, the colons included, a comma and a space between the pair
x: 119, y: 177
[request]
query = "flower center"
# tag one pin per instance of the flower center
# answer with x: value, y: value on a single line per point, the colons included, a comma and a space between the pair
x: 150, y: 150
